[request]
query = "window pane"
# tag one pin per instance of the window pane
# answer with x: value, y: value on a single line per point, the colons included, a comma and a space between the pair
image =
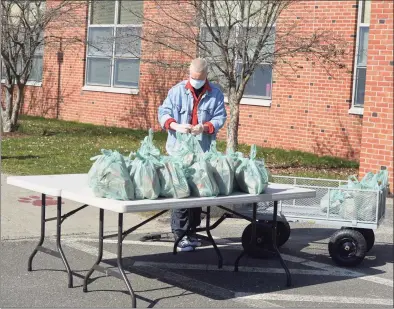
x: 130, y: 12
x: 36, y: 70
x: 100, y: 41
x: 217, y: 77
x: 260, y: 82
x: 36, y: 12
x: 99, y: 71
x: 103, y: 12
x: 127, y: 72
x: 128, y: 42
x: 253, y: 38
x: 360, y: 86
x: 210, y: 49
x: 366, y: 12
x: 363, y: 46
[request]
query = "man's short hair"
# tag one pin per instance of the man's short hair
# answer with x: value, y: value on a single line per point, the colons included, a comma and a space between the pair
x: 199, y: 65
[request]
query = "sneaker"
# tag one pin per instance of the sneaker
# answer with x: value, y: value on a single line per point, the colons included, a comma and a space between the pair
x: 194, y: 241
x: 185, y: 245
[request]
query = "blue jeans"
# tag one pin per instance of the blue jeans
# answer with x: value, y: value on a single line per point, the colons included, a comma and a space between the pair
x: 180, y: 220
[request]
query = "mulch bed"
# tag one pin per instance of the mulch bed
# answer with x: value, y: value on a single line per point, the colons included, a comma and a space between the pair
x: 7, y: 135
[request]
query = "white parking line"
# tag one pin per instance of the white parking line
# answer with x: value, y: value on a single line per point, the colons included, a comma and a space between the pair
x: 183, y: 281
x: 314, y: 298
x: 333, y: 270
x: 228, y: 244
x: 226, y: 268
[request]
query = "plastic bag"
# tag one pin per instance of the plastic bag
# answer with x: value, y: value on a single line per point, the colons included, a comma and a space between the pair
x: 365, y: 201
x: 187, y: 149
x: 235, y: 160
x: 109, y: 177
x: 129, y: 161
x: 144, y: 170
x: 221, y: 169
x: 251, y: 175
x: 333, y: 200
x: 173, y: 182
x: 201, y: 180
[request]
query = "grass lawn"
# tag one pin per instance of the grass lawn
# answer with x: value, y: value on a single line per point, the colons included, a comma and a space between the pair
x: 48, y: 146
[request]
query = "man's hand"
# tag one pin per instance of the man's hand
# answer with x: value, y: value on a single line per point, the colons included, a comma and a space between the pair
x: 181, y: 128
x: 197, y: 129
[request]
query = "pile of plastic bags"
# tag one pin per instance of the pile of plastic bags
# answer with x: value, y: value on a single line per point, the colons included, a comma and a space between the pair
x: 147, y: 174
x: 357, y: 199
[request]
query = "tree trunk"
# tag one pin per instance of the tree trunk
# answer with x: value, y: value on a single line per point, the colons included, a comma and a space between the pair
x: 6, y: 114
x: 20, y: 95
x: 232, y: 126
x: 9, y: 116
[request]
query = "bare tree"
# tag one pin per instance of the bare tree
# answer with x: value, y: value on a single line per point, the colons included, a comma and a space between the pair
x: 26, y: 26
x: 237, y: 37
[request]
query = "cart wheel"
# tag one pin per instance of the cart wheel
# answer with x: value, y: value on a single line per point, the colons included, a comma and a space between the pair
x: 347, y: 247
x: 282, y: 233
x: 263, y: 240
x: 368, y: 234
x: 264, y: 236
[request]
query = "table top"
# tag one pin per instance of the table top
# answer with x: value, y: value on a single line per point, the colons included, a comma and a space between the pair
x: 75, y: 187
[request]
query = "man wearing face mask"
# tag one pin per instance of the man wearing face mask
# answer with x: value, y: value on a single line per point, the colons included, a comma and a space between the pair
x: 197, y: 107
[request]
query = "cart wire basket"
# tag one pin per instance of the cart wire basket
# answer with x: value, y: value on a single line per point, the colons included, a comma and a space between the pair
x: 357, y: 212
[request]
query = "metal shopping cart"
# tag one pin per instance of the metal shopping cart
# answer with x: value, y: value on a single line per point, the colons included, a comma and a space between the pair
x: 356, y: 212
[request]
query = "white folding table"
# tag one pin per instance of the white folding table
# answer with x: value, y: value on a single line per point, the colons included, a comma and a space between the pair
x: 75, y: 187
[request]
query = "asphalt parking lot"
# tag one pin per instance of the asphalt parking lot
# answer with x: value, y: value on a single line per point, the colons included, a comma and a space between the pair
x: 161, y: 279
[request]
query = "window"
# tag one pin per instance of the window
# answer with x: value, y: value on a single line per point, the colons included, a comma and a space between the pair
x: 37, y: 65
x: 34, y: 16
x: 36, y: 70
x: 360, y: 72
x: 114, y: 43
x: 259, y: 85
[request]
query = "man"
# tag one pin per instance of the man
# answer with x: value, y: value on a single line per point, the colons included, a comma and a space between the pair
x: 193, y: 106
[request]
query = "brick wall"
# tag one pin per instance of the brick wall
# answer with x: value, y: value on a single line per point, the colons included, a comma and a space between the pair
x: 377, y: 133
x: 309, y: 109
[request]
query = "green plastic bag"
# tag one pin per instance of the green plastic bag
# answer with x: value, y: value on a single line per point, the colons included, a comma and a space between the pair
x: 221, y: 169
x: 198, y: 173
x: 129, y: 160
x: 200, y: 178
x: 334, y: 200
x: 235, y: 159
x: 144, y: 170
x: 109, y: 177
x: 173, y: 182
x: 187, y: 149
x: 251, y: 175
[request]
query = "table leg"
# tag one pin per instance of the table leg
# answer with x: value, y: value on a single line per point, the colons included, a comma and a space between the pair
x: 274, y: 228
x: 42, y: 236
x: 208, y: 230
x: 100, y: 253
x: 58, y: 243
x: 119, y: 261
x: 252, y: 239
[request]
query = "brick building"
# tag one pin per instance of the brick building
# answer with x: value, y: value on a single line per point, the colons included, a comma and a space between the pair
x: 350, y: 115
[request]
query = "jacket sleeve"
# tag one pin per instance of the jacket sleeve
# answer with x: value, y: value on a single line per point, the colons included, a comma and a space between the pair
x: 166, y: 110
x: 219, y: 114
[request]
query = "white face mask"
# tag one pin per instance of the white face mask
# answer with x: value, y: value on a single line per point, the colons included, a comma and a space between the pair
x: 196, y: 83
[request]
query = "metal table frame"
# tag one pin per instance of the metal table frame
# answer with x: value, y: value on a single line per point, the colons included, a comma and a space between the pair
x: 121, y: 235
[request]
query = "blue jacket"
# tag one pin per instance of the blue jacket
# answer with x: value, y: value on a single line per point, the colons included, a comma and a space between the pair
x: 179, y: 105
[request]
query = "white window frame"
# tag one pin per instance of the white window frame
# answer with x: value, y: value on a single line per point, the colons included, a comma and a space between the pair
x: 111, y: 88
x: 357, y: 109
